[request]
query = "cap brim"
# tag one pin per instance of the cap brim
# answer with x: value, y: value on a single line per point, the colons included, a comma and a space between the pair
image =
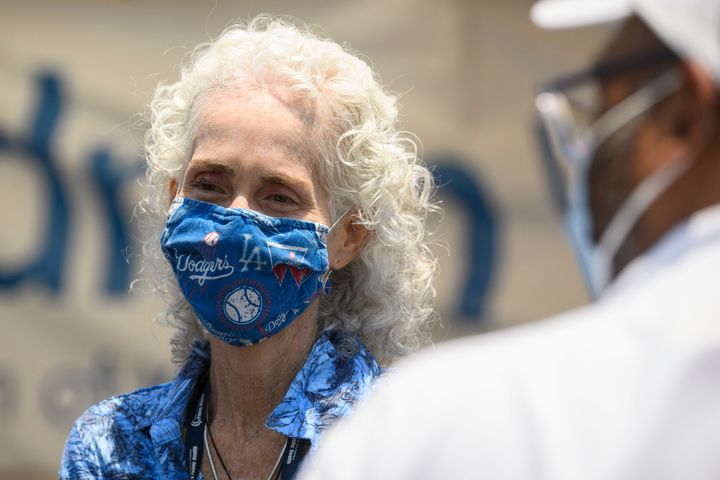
x: 558, y: 14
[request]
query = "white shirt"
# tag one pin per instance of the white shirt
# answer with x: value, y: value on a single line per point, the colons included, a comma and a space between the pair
x: 626, y: 388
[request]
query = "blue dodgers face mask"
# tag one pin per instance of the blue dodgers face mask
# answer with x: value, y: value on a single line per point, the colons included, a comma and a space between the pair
x: 246, y: 275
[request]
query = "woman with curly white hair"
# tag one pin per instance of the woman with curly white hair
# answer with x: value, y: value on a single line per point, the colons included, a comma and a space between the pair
x: 286, y: 226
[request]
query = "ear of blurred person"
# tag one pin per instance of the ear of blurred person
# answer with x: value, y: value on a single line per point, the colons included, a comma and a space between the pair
x: 683, y: 126
x: 626, y: 387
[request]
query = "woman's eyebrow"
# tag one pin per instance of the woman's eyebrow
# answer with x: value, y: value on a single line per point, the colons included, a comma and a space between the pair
x: 212, y: 165
x: 280, y: 177
x: 277, y: 177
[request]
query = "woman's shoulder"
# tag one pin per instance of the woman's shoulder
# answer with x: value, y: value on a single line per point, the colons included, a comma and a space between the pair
x: 135, y: 412
x: 119, y: 416
x: 134, y: 407
x: 113, y: 432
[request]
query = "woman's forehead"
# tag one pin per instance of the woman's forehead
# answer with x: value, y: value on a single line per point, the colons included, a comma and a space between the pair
x: 241, y: 120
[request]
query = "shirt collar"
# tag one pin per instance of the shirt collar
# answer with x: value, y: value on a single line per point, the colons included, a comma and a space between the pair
x: 323, y: 390
x: 701, y: 228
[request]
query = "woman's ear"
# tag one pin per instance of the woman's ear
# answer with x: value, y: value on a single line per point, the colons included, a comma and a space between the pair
x: 172, y: 190
x: 346, y: 240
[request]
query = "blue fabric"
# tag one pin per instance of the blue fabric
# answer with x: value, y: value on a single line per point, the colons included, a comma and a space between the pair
x: 139, y: 434
x: 246, y: 275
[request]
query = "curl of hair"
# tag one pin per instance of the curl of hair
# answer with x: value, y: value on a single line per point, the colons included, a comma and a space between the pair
x: 385, y: 296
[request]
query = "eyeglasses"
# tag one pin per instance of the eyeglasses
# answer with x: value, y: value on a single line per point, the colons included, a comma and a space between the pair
x: 607, y: 70
x: 569, y: 108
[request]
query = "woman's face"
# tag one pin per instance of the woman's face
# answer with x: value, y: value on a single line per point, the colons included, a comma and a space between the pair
x: 252, y: 150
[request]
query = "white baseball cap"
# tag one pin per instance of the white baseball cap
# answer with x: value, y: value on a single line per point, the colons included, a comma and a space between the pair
x: 691, y: 28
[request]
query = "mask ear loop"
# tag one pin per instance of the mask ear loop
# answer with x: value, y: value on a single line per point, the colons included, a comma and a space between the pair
x: 178, y: 196
x: 325, y: 278
x: 630, y: 212
x: 632, y: 107
x: 649, y: 189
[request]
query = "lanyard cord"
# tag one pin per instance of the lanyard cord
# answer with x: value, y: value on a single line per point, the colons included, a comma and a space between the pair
x: 197, y: 428
x: 196, y: 419
x: 273, y: 472
x: 210, y: 460
x: 222, y: 462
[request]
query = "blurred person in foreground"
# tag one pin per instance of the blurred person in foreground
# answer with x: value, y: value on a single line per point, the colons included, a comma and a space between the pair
x: 628, y: 387
x: 293, y: 257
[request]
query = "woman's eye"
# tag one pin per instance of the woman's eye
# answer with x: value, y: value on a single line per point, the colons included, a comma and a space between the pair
x: 206, y: 186
x: 281, y: 198
x: 207, y: 183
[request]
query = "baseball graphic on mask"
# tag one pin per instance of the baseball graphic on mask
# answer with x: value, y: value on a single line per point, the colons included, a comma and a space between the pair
x: 243, y: 305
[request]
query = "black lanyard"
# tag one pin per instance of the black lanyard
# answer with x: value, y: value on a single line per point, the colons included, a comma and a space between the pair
x: 292, y: 457
x: 195, y: 422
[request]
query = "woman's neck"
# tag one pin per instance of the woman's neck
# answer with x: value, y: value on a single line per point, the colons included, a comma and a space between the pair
x: 247, y: 383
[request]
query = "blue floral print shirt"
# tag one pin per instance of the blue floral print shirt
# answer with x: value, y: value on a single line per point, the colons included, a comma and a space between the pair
x: 139, y: 434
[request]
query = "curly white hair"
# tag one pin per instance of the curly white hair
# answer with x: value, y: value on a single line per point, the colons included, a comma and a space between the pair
x: 385, y: 296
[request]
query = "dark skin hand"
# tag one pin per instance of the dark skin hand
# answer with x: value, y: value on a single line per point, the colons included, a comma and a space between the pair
x: 684, y: 125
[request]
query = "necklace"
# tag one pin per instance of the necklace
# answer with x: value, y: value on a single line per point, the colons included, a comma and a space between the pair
x: 210, y: 460
x: 271, y: 476
x: 274, y: 471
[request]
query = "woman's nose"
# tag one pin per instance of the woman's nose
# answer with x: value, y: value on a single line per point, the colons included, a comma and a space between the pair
x: 240, y: 201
